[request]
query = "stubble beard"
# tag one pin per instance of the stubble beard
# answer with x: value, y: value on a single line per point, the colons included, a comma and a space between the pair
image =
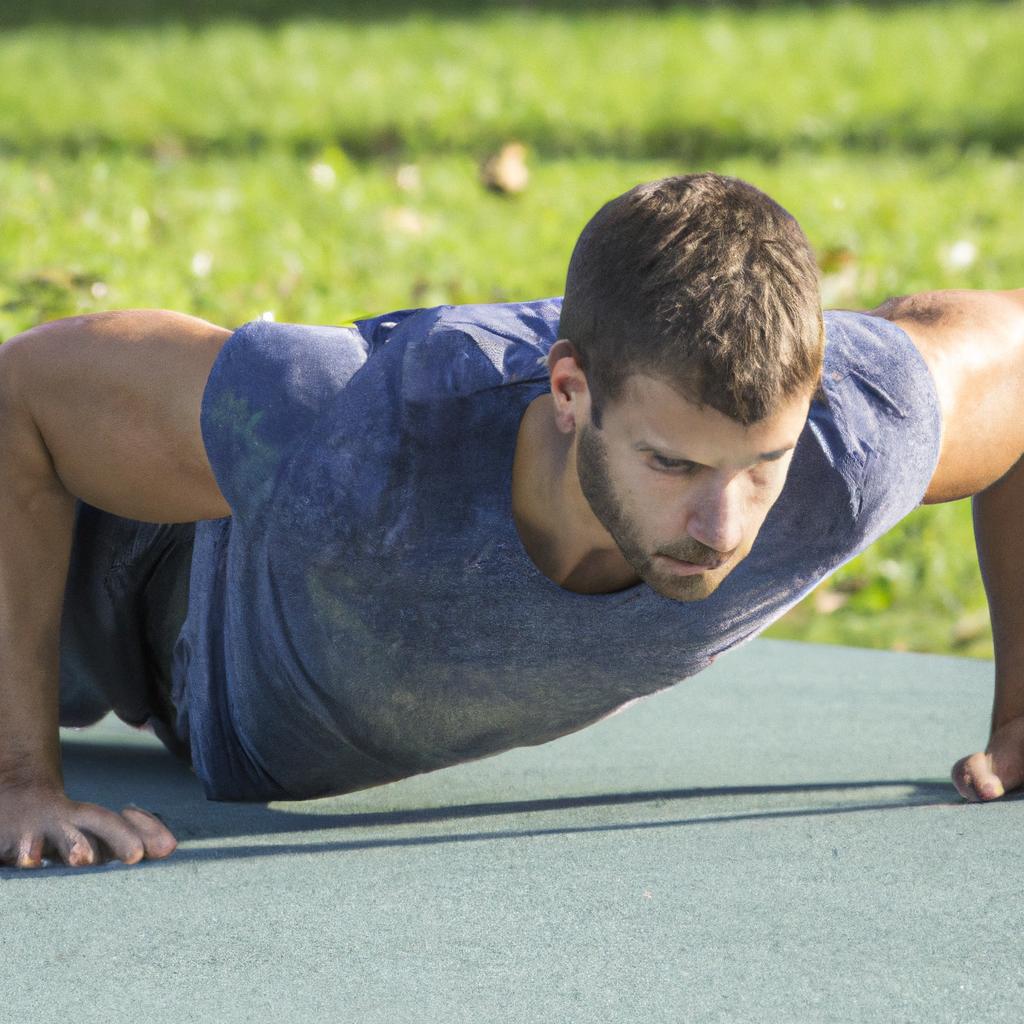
x: 596, y: 485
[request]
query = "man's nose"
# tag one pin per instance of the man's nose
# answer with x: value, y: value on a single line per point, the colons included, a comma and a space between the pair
x: 716, y: 516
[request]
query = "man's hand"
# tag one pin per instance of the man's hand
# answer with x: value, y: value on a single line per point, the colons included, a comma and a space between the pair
x: 1000, y: 769
x: 39, y: 821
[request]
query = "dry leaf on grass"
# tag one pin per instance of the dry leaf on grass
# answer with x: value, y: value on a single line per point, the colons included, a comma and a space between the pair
x: 506, y: 171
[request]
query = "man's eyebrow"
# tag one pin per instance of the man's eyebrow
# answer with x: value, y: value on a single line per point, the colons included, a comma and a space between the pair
x: 645, y: 446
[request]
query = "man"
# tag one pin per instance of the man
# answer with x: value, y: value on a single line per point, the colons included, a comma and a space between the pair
x: 317, y: 559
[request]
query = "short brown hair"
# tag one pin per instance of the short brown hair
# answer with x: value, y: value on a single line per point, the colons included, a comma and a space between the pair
x: 704, y: 282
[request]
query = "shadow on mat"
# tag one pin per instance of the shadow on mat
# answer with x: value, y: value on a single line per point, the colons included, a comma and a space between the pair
x: 268, y: 820
x: 113, y: 774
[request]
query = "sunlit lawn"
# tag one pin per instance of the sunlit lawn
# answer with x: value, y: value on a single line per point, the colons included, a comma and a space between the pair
x: 317, y: 170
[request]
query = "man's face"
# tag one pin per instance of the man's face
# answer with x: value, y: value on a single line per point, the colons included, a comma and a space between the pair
x: 672, y: 482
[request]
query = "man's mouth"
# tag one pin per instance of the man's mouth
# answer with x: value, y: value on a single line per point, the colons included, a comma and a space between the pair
x: 681, y: 568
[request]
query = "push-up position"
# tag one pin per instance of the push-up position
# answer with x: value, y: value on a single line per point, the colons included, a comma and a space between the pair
x: 318, y: 559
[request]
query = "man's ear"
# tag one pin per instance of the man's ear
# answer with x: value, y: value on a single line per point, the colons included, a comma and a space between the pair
x: 568, y: 385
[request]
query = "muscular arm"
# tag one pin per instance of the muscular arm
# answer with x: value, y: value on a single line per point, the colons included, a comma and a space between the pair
x: 105, y: 408
x: 115, y: 399
x: 973, y: 343
x: 998, y: 515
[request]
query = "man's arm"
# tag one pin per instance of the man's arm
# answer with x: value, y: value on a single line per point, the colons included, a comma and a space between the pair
x: 104, y: 408
x: 115, y: 398
x: 973, y: 343
x: 1000, y: 540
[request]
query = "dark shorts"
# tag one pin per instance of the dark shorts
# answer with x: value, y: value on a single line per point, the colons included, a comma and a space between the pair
x: 125, y: 601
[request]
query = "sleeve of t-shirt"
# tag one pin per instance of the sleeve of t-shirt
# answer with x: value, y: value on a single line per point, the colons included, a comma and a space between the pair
x: 889, y: 407
x: 267, y: 387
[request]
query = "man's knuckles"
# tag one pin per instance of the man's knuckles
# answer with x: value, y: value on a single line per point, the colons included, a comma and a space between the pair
x: 986, y: 776
x: 966, y: 775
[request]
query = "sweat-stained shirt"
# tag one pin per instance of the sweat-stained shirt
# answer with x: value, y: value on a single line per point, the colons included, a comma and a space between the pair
x: 368, y: 611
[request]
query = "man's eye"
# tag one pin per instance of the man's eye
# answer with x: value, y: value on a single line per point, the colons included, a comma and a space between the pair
x: 674, y: 465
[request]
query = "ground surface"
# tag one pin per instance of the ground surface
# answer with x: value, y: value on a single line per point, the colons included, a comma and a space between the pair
x: 775, y: 840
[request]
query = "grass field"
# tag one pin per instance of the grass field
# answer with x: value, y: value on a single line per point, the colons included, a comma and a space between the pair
x: 245, y: 158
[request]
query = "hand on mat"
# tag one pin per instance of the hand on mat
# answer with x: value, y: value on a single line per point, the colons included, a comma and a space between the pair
x: 39, y: 822
x: 996, y: 771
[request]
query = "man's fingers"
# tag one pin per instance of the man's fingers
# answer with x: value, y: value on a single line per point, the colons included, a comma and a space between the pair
x: 69, y: 844
x: 960, y: 780
x: 158, y: 839
x: 75, y: 848
x: 127, y: 837
x: 975, y: 780
x: 40, y: 822
x: 999, y: 770
x: 30, y: 851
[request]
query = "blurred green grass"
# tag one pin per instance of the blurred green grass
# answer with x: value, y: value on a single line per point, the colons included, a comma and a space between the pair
x: 230, y: 169
x: 684, y: 83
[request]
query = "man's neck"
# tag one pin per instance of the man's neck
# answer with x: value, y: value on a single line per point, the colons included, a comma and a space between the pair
x: 559, y: 532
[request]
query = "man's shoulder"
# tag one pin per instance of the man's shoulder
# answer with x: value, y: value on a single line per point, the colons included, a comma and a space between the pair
x: 461, y: 349
x: 872, y: 367
x: 881, y: 425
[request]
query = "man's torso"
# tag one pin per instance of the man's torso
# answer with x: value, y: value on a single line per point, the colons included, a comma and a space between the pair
x: 369, y: 612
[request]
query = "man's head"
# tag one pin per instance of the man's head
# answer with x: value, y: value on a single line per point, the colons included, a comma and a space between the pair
x: 691, y: 343
x: 704, y: 282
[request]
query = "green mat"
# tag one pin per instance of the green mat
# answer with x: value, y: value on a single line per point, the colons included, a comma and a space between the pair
x: 775, y: 840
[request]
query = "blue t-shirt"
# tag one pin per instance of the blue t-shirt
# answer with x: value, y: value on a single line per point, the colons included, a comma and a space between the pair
x: 368, y: 611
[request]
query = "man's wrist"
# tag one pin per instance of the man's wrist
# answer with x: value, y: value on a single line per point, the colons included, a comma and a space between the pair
x: 36, y: 776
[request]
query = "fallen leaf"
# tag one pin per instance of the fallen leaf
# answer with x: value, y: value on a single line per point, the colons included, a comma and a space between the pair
x: 506, y: 172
